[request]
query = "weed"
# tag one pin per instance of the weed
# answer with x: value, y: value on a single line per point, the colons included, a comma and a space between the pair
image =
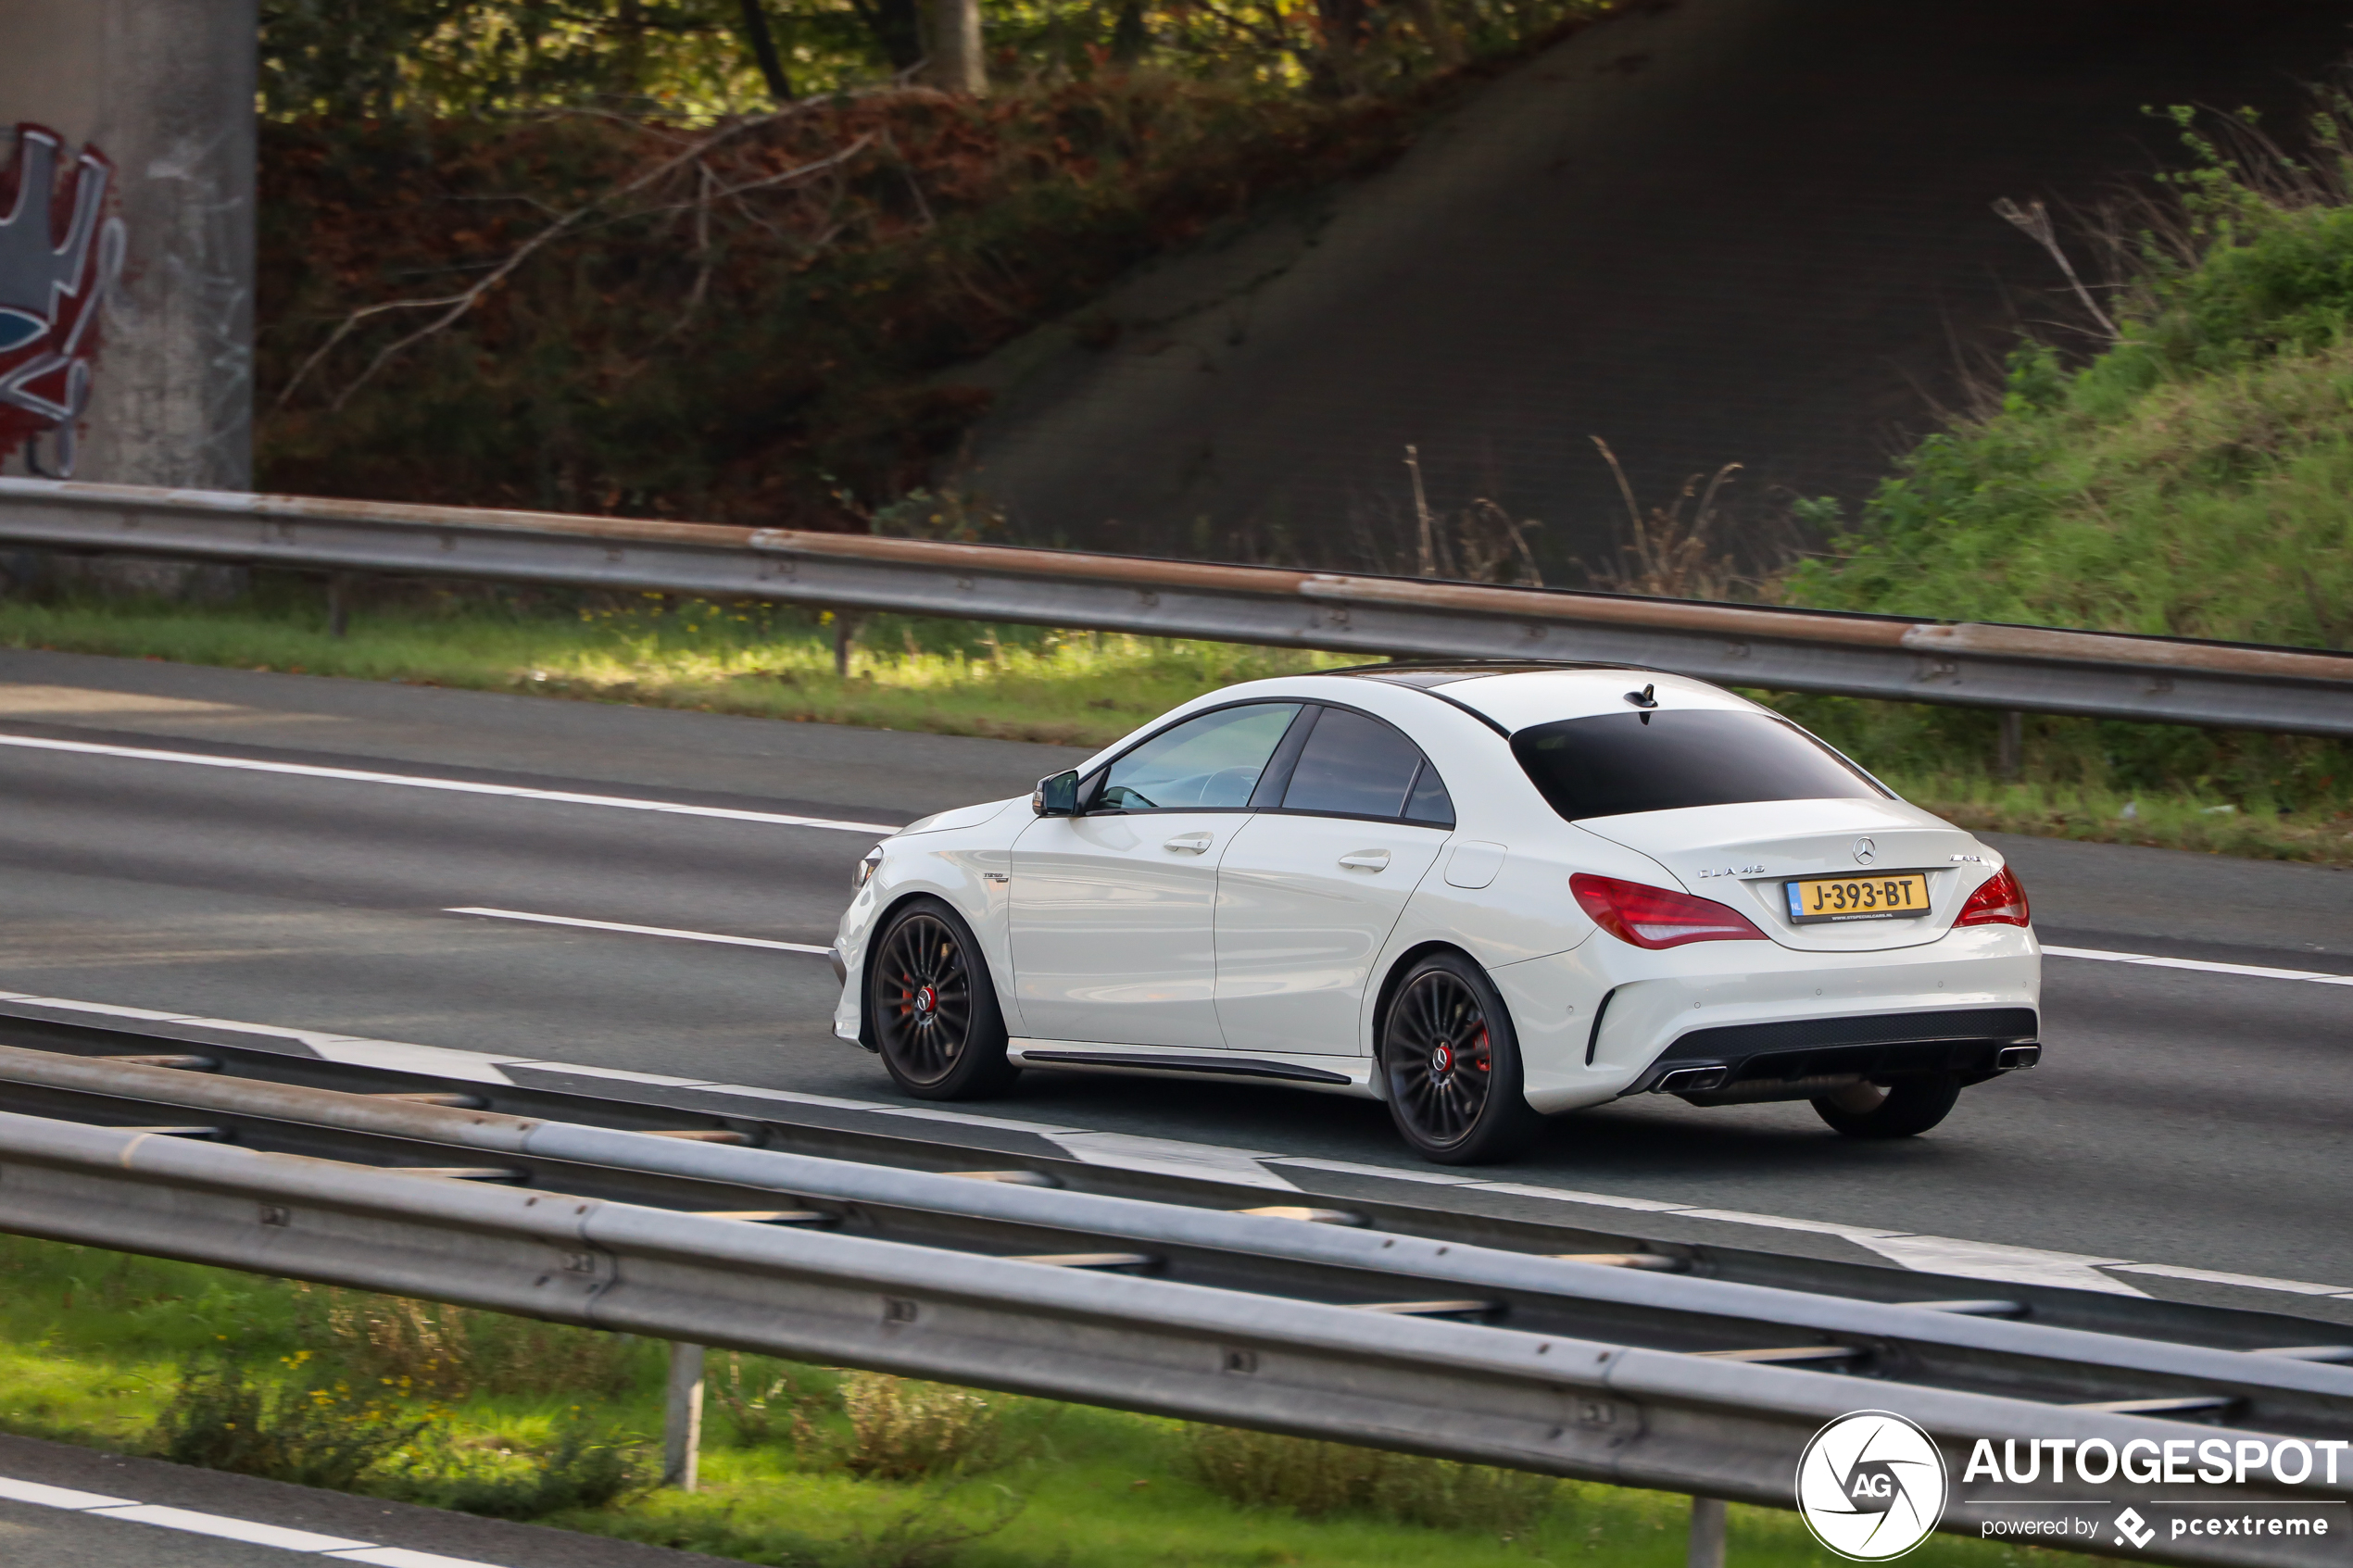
x: 768, y: 1403
x: 906, y: 1430
x: 304, y: 1429
x: 580, y: 1467
x: 451, y: 1351
x: 1260, y: 1469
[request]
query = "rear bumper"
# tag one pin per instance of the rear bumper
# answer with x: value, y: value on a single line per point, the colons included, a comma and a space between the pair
x: 1975, y: 1043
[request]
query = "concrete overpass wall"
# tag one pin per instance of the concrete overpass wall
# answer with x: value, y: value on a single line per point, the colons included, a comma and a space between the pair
x: 163, y: 91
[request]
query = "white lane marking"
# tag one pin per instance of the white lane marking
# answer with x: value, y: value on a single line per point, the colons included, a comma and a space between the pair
x: 352, y: 1049
x: 1929, y: 1254
x: 399, y: 1055
x: 252, y: 1532
x: 453, y: 786
x: 55, y: 1497
x: 1350, y: 1168
x: 1988, y: 1260
x: 1563, y: 1195
x: 1865, y: 1233
x: 246, y: 1530
x: 2251, y: 971
x: 1172, y: 1157
x: 641, y: 930
x: 2215, y: 1276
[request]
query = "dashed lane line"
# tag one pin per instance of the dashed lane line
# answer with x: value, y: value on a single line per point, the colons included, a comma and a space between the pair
x: 2203, y: 966
x: 1953, y: 1255
x: 452, y: 786
x: 335, y: 1549
x: 642, y: 929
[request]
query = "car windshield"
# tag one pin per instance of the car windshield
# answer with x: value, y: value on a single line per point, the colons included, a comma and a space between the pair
x: 1617, y: 763
x: 1209, y: 762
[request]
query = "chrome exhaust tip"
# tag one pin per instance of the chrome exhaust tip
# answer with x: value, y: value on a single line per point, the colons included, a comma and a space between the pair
x: 2011, y: 1059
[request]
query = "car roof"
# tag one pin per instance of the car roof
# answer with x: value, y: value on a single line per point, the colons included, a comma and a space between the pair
x: 1514, y: 694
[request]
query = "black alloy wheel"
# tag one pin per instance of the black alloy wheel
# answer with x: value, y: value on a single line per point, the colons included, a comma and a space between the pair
x: 1900, y: 1110
x: 1450, y: 1064
x: 933, y: 1008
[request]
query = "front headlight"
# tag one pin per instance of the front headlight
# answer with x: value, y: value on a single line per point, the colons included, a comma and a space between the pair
x: 865, y: 872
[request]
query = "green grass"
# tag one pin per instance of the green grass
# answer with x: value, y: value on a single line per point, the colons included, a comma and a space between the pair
x: 2189, y: 481
x: 92, y: 1345
x: 771, y: 662
x: 1085, y: 689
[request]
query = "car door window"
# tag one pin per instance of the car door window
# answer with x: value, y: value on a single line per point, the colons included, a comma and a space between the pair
x: 1353, y: 766
x: 1209, y: 762
x: 1428, y: 802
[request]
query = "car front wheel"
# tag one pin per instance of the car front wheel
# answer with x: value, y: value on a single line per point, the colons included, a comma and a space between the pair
x: 1900, y: 1110
x: 1450, y: 1063
x: 932, y: 1006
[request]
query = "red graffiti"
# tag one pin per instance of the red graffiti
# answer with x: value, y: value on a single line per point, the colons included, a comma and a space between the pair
x: 60, y: 253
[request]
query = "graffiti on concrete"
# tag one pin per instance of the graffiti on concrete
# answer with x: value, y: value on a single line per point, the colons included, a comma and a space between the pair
x: 60, y: 254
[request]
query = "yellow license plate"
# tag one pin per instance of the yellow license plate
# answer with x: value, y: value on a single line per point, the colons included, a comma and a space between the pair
x: 1890, y: 895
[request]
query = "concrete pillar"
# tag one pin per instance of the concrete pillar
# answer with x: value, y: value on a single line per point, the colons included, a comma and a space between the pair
x: 154, y: 100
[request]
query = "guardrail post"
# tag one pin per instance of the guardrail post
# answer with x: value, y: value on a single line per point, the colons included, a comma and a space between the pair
x: 2009, y: 754
x: 682, y: 1422
x: 1707, y: 1533
x: 846, y: 628
x: 341, y: 586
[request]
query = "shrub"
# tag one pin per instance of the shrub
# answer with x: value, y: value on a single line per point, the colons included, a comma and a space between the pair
x: 1259, y: 1469
x: 307, y: 1430
x: 451, y: 1351
x: 903, y: 1430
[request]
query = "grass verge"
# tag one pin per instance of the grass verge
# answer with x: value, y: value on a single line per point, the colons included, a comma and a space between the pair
x: 803, y: 1466
x: 1088, y: 689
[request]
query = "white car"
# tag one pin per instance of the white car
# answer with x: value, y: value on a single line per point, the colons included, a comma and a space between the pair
x: 1482, y: 892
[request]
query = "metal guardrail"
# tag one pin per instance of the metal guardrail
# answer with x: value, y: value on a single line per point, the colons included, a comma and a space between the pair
x: 1540, y: 1396
x: 2030, y: 668
x: 988, y: 1222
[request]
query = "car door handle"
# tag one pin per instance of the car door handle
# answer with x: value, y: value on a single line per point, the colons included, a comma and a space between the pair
x: 1366, y: 859
x: 1190, y: 843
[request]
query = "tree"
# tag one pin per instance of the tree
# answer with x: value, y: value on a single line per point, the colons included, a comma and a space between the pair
x: 763, y: 52
x: 956, y: 64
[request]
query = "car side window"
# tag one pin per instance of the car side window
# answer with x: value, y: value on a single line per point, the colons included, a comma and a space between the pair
x: 1210, y: 762
x: 1353, y: 766
x: 1428, y: 802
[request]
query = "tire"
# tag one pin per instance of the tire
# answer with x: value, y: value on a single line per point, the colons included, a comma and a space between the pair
x: 1901, y: 1109
x: 1450, y: 1063
x: 933, y: 1008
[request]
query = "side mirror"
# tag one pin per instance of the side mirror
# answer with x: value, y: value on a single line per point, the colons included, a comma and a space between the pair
x: 1056, y: 797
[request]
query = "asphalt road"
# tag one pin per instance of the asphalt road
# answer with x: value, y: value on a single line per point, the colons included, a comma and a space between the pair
x: 2187, y: 1116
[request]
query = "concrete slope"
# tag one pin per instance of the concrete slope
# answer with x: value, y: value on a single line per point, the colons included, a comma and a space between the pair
x: 1711, y: 230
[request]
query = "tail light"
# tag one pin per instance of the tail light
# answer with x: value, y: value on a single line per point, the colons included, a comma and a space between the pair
x: 1653, y: 917
x: 1999, y: 900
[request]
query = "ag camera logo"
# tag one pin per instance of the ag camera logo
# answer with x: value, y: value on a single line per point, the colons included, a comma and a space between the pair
x: 1872, y: 1485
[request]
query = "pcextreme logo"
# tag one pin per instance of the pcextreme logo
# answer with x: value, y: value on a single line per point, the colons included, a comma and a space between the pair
x: 1872, y: 1485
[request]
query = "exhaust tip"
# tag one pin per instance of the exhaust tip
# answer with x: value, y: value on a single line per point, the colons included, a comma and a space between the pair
x: 1691, y: 1080
x: 2011, y: 1059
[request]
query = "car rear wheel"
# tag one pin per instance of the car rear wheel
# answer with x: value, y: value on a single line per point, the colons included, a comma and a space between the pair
x: 1899, y: 1110
x: 1450, y: 1064
x: 932, y: 1006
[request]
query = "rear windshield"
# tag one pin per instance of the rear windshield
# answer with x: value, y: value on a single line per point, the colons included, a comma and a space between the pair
x: 1617, y: 763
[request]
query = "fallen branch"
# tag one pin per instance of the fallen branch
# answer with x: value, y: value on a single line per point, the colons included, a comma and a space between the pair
x: 455, y: 307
